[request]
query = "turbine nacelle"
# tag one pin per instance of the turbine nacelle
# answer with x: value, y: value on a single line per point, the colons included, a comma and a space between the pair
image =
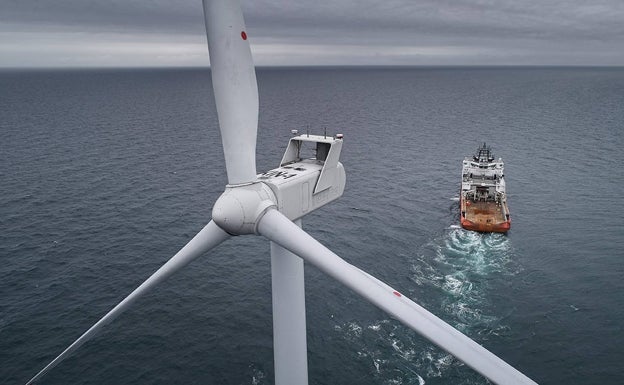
x: 299, y: 186
x: 302, y: 185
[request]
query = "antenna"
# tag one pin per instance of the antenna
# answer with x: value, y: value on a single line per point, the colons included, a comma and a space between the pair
x: 272, y: 205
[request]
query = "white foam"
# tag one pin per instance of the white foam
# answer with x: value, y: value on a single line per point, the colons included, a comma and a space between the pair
x: 456, y: 263
x: 375, y: 327
x: 376, y: 363
x: 354, y: 329
x: 457, y: 284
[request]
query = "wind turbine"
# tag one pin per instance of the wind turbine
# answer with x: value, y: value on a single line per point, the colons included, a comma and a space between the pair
x: 272, y: 204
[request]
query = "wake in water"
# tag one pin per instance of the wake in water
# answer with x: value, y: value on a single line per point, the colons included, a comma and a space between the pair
x: 393, y: 352
x: 453, y: 273
x: 459, y: 265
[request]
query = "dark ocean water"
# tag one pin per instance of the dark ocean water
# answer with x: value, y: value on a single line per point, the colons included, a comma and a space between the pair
x: 106, y: 174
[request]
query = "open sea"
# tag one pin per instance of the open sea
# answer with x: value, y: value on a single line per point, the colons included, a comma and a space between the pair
x: 105, y: 174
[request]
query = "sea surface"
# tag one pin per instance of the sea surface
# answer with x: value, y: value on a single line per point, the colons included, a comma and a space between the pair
x: 105, y: 174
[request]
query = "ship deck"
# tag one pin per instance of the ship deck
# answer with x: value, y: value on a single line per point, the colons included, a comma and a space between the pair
x: 484, y: 216
x: 485, y: 212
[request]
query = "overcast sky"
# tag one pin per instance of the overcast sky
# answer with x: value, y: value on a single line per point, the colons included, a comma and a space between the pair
x: 78, y: 33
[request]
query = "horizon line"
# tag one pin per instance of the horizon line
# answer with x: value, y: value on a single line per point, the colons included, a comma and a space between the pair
x: 317, y: 66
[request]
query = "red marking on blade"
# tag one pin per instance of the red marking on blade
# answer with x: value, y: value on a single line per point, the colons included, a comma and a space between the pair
x: 396, y: 293
x: 243, y: 35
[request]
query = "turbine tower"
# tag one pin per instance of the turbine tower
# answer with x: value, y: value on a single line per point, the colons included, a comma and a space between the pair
x: 271, y: 204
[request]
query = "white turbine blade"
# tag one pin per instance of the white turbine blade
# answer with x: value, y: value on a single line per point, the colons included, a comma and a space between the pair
x: 279, y: 229
x: 235, y: 87
x: 210, y: 236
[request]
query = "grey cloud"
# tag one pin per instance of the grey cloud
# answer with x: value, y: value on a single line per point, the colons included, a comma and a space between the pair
x: 336, y: 31
x: 110, y: 15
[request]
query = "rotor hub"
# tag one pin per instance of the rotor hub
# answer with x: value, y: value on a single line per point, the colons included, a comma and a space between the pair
x: 240, y: 207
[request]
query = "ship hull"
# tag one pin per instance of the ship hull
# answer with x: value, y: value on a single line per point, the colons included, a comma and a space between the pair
x: 485, y: 217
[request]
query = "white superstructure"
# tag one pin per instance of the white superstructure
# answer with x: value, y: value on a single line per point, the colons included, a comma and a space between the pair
x: 483, y: 177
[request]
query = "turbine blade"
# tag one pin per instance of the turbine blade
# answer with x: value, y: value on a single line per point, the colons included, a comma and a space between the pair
x: 279, y: 229
x: 210, y: 236
x: 235, y: 87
